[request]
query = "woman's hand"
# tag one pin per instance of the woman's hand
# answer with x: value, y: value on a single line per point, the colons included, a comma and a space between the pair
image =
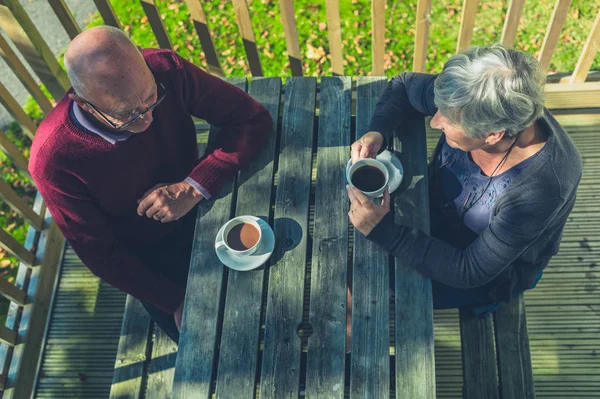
x: 367, y: 146
x: 364, y: 214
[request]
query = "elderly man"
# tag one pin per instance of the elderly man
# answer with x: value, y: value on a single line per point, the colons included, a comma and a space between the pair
x: 117, y: 162
x: 504, y: 178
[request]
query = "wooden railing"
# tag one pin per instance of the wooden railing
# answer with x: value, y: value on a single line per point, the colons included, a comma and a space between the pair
x: 22, y: 336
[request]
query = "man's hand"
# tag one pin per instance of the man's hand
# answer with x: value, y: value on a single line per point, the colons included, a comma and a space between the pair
x: 367, y: 146
x: 178, y: 316
x: 167, y: 202
x: 364, y: 214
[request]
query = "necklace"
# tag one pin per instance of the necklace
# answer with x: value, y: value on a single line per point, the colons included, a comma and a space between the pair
x: 469, y: 204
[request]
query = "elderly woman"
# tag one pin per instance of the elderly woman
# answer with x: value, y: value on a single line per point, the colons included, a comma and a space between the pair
x: 503, y: 178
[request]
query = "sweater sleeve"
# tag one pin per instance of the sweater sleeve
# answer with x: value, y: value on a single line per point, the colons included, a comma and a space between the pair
x: 510, y: 233
x: 405, y: 94
x: 90, y: 234
x: 243, y: 123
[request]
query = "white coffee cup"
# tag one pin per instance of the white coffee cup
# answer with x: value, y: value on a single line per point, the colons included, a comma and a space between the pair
x: 369, y: 162
x: 223, y: 244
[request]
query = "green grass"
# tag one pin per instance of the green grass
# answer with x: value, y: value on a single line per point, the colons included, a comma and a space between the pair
x: 356, y: 33
x: 355, y: 16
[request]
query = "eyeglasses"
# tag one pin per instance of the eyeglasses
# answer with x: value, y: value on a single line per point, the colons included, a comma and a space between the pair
x: 135, y: 118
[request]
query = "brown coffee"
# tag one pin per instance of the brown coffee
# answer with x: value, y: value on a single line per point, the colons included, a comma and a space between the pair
x: 243, y: 236
x: 368, y: 178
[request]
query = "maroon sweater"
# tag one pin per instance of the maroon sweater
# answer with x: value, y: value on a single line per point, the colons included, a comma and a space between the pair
x: 91, y: 186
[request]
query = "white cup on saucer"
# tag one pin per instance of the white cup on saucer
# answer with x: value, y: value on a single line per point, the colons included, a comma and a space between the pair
x: 241, y: 236
x: 374, y: 179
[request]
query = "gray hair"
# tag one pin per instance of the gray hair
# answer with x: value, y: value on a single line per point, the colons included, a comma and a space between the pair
x: 491, y: 89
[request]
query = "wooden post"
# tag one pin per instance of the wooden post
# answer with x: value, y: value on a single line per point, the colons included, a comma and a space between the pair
x: 15, y: 248
x: 14, y: 20
x: 422, y: 35
x: 12, y: 293
x: 24, y: 76
x: 559, y: 15
x: 467, y: 22
x: 511, y: 23
x: 378, y: 29
x: 15, y: 110
x: 201, y: 25
x: 107, y: 13
x: 8, y: 336
x: 14, y: 154
x: 65, y: 17
x: 8, y: 195
x: 27, y: 354
x: 245, y: 24
x: 590, y: 49
x: 334, y: 31
x: 288, y: 19
x: 156, y: 24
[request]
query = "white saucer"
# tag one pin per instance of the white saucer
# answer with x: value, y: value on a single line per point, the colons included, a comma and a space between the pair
x: 394, y: 166
x: 249, y: 262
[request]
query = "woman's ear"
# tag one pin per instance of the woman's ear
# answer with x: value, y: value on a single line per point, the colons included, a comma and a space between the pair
x: 493, y: 138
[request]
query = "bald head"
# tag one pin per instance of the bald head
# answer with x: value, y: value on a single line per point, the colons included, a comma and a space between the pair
x: 107, y: 69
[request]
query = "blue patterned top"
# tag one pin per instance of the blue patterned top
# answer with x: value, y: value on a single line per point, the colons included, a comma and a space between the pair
x: 463, y: 183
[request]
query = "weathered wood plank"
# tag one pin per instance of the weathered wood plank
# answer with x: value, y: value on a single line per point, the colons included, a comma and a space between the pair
x: 378, y: 36
x: 238, y: 356
x: 370, y: 360
x: 15, y: 64
x: 559, y: 15
x: 162, y: 366
x: 204, y: 297
x: 108, y: 13
x: 281, y: 356
x: 156, y: 24
x: 11, y: 292
x: 8, y: 336
x: 467, y: 22
x: 574, y: 95
x: 288, y: 19
x: 512, y: 348
x: 15, y: 248
x: 8, y: 195
x: 479, y: 358
x: 65, y: 17
x: 511, y: 22
x: 414, y: 345
x: 421, y: 35
x: 334, y: 31
x: 201, y: 25
x: 590, y: 49
x: 15, y: 110
x: 245, y: 24
x: 30, y: 43
x: 14, y: 154
x: 327, y: 345
x: 27, y: 354
x: 130, y: 364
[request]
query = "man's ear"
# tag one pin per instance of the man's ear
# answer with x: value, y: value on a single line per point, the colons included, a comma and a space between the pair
x: 493, y: 138
x: 80, y: 101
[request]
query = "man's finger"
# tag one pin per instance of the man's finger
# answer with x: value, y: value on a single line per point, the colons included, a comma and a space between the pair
x: 385, y: 203
x: 145, y: 204
x: 365, y: 152
x: 154, y: 209
x: 148, y: 192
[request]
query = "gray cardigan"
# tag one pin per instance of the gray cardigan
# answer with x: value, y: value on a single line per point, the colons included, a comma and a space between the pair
x: 526, y: 222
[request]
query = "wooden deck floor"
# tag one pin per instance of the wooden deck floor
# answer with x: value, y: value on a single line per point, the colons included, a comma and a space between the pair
x: 563, y: 311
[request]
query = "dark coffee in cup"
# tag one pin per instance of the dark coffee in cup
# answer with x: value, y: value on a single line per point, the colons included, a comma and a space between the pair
x: 368, y: 178
x: 243, y: 236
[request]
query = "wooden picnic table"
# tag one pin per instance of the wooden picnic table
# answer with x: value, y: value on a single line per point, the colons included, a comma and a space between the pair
x: 279, y: 331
